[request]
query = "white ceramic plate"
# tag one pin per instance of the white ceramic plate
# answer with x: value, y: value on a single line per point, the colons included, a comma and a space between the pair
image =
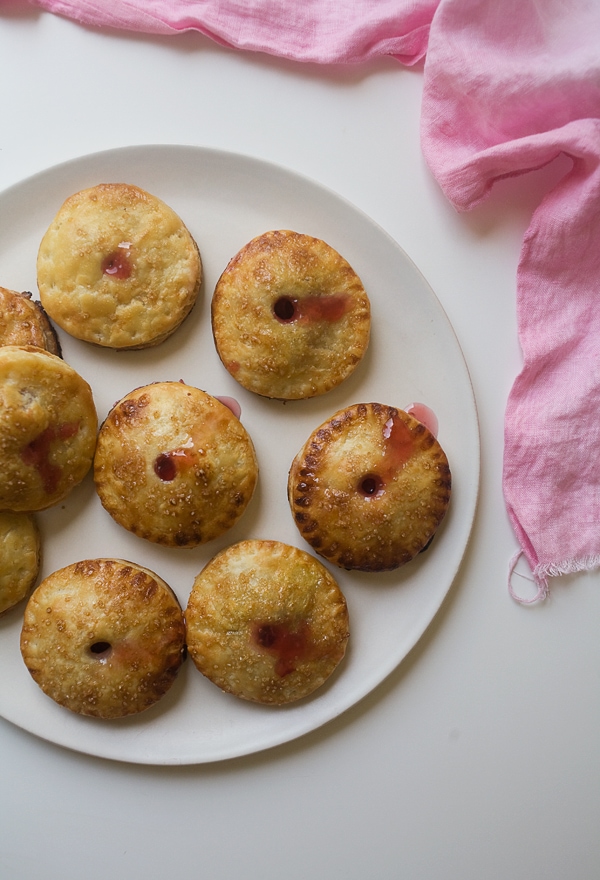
x: 225, y: 200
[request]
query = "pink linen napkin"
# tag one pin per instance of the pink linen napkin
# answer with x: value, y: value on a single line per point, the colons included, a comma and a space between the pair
x: 322, y: 31
x: 508, y: 87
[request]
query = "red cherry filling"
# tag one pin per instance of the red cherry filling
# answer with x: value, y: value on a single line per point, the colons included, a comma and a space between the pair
x: 312, y: 308
x: 325, y: 308
x: 232, y: 404
x: 398, y: 448
x: 117, y: 264
x: 165, y: 467
x: 287, y: 646
x: 425, y: 415
x: 399, y: 445
x: 37, y: 453
x: 168, y: 464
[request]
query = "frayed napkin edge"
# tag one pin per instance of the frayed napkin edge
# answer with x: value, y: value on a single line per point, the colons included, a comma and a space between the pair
x: 542, y: 572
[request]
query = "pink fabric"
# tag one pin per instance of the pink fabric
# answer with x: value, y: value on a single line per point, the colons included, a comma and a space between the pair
x: 323, y: 31
x: 508, y: 87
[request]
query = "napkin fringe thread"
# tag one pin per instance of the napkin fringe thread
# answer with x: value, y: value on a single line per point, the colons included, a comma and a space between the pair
x: 569, y: 566
x: 541, y: 573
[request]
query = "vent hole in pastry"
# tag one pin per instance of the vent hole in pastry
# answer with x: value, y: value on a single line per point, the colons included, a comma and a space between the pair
x: 165, y: 467
x: 101, y: 650
x: 285, y: 309
x: 371, y: 485
x: 266, y: 635
x: 116, y: 265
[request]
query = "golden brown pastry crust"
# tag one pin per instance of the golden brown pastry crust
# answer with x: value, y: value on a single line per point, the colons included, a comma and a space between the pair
x: 369, y: 488
x: 117, y: 267
x: 173, y: 465
x: 48, y: 428
x: 23, y: 321
x: 19, y: 557
x: 290, y: 317
x: 103, y: 637
x: 266, y: 622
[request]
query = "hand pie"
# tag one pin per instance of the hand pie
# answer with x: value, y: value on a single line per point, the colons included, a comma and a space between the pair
x: 19, y: 557
x: 369, y: 488
x: 103, y: 637
x: 23, y: 321
x: 48, y: 427
x: 117, y: 267
x: 174, y: 465
x: 290, y: 316
x: 266, y: 622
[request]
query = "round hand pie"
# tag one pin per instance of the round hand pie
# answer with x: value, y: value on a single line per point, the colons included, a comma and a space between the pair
x: 48, y: 428
x: 290, y: 317
x: 19, y: 557
x: 118, y: 268
x: 23, y: 321
x: 266, y: 622
x: 103, y: 637
x: 174, y: 465
x: 369, y: 488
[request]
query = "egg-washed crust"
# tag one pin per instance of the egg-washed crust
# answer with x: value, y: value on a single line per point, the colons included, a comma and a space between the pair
x: 117, y: 267
x: 319, y: 346
x: 23, y: 321
x: 20, y: 557
x: 266, y: 622
x: 103, y: 637
x: 173, y: 465
x: 48, y: 427
x: 369, y: 488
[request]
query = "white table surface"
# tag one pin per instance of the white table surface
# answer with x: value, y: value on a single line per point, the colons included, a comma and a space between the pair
x: 479, y: 756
